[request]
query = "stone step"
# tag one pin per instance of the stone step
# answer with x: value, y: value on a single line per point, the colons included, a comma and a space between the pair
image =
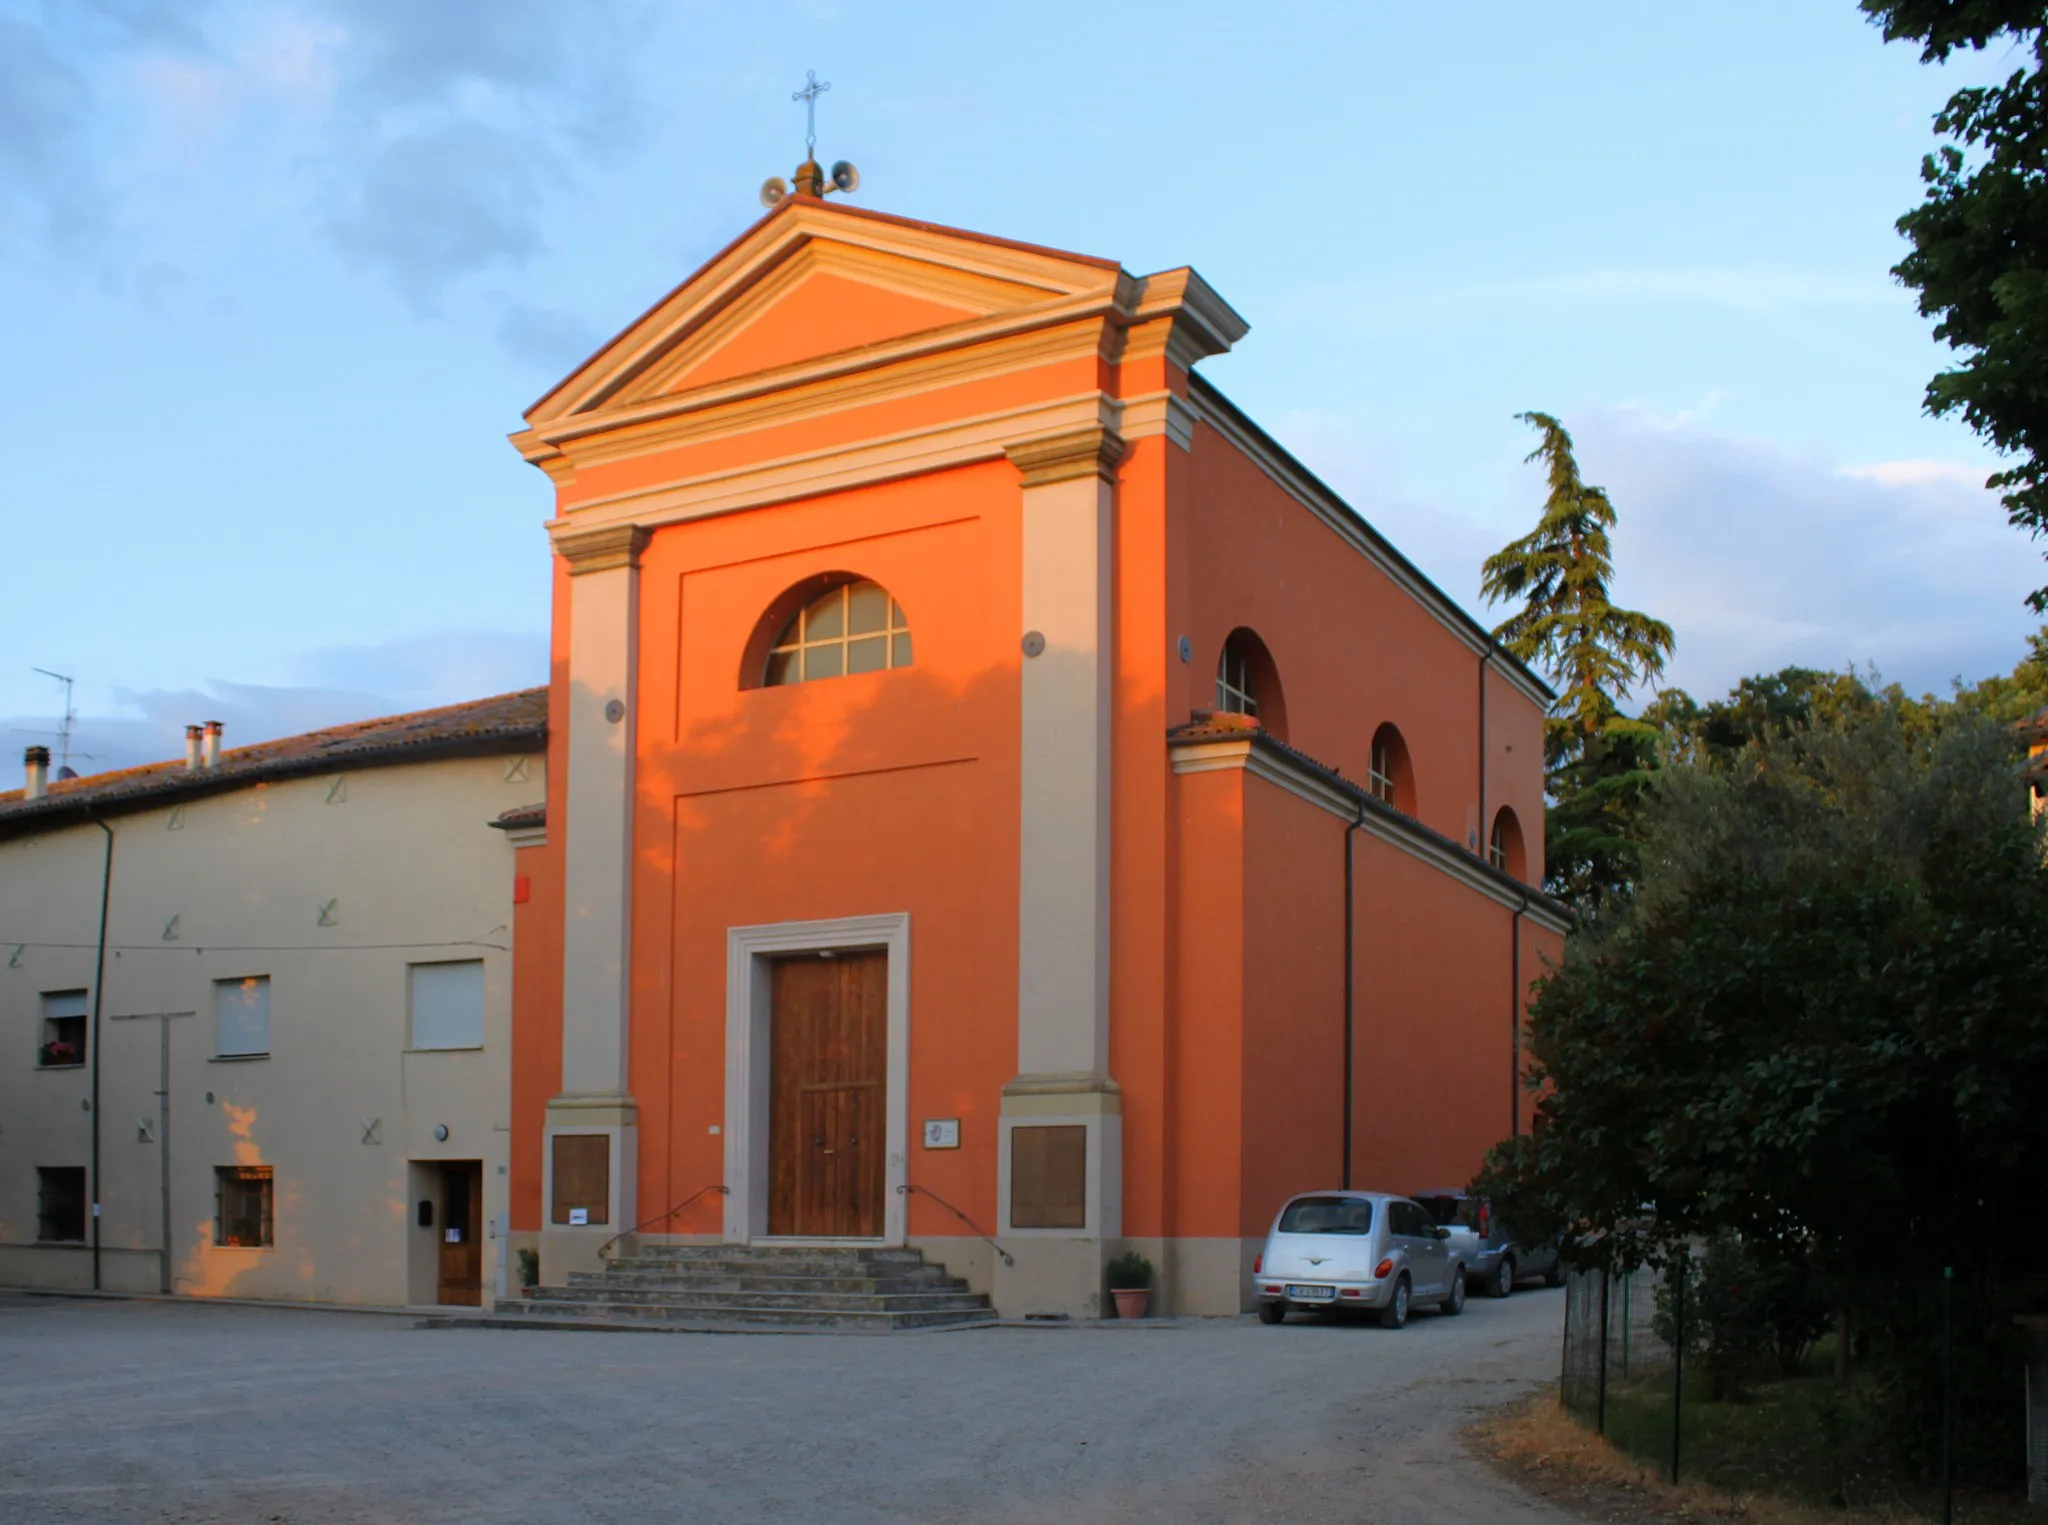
x: 748, y: 1280
x: 807, y: 1286
x: 684, y: 1297
x: 786, y: 1247
x: 865, y: 1265
x: 791, y: 1264
x: 573, y: 1311
x: 871, y: 1254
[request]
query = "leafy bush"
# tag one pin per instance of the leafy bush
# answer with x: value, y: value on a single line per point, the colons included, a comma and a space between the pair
x: 529, y: 1268
x: 1129, y: 1272
x: 1742, y: 1314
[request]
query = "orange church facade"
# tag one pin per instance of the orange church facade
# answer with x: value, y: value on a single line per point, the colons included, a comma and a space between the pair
x: 961, y: 720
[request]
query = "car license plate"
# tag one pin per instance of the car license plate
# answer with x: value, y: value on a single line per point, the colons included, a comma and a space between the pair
x: 1311, y: 1294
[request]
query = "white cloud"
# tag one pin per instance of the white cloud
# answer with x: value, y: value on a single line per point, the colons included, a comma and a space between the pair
x: 1920, y: 473
x: 428, y: 141
x: 1761, y: 557
x: 336, y: 685
x: 1758, y: 556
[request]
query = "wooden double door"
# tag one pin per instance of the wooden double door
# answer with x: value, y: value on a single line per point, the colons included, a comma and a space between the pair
x: 828, y: 1057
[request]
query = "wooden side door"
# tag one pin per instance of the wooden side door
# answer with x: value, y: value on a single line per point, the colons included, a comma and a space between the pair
x: 828, y: 1053
x: 461, y: 1226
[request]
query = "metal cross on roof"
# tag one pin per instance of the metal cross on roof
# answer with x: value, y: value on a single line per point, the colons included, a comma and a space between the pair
x: 809, y: 96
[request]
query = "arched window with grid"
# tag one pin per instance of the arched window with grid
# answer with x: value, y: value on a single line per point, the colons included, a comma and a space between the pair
x: 1504, y: 846
x: 853, y: 626
x: 1389, y: 775
x: 1248, y: 684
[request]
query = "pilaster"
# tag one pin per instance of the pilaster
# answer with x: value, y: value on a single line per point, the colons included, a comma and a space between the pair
x: 1061, y: 1123
x: 604, y: 587
x: 1063, y: 929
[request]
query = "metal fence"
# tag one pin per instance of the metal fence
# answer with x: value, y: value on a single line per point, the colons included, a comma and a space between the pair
x: 1636, y: 1367
x: 1614, y: 1342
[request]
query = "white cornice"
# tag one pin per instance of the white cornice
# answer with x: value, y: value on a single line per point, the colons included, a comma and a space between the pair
x: 1158, y: 413
x: 1205, y: 323
x: 960, y: 442
x: 753, y: 403
x: 1292, y: 478
x: 1389, y: 826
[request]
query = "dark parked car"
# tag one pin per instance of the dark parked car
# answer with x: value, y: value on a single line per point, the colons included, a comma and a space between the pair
x: 1493, y: 1261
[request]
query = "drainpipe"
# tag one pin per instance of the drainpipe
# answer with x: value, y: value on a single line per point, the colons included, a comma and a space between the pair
x: 99, y: 980
x: 1515, y: 1018
x: 1350, y: 964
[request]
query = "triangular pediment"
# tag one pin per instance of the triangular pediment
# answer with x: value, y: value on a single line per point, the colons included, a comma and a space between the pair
x: 810, y: 282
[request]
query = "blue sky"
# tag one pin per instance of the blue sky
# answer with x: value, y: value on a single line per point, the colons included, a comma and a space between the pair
x: 280, y: 277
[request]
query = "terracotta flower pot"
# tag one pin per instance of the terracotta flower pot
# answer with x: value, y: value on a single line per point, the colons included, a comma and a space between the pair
x: 1131, y: 1304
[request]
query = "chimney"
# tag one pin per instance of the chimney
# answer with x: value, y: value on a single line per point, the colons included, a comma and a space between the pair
x: 37, y: 761
x: 192, y: 734
x: 209, y: 754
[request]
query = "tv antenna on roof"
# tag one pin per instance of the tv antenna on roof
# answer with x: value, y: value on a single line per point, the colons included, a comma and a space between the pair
x: 63, y: 731
x: 810, y: 179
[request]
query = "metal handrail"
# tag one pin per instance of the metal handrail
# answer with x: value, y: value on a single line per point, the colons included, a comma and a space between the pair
x: 606, y: 1248
x: 910, y: 1186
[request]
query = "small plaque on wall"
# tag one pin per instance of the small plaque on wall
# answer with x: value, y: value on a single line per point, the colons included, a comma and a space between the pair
x: 942, y: 1133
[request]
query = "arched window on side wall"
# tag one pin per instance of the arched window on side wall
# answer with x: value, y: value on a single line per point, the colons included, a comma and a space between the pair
x: 1504, y: 849
x: 1389, y: 775
x: 1247, y: 682
x: 850, y: 626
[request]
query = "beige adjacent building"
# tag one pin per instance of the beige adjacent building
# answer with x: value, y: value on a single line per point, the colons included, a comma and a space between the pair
x: 300, y: 1040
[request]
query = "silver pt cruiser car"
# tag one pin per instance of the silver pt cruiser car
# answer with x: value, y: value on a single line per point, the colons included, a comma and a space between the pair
x: 1357, y: 1249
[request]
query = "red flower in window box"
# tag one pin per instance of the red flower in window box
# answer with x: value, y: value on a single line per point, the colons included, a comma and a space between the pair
x: 59, y: 1052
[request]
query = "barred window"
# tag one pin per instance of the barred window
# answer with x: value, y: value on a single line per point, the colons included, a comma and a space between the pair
x: 242, y: 1206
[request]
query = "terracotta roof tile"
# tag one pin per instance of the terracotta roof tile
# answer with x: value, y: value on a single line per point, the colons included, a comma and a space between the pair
x: 503, y: 723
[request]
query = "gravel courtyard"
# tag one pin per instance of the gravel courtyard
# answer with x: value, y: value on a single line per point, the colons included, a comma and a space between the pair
x: 132, y: 1411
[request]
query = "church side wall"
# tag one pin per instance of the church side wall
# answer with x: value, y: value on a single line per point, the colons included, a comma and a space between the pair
x: 1201, y: 1238
x: 1353, y: 650
x: 1293, y: 1000
x: 1434, y: 1022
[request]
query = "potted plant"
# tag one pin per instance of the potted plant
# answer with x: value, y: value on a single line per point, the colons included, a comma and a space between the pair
x: 1130, y: 1283
x: 529, y: 1271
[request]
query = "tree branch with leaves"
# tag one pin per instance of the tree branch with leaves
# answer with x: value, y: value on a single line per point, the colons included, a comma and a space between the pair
x: 1598, y: 760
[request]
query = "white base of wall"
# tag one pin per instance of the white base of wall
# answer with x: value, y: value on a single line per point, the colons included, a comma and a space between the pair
x: 969, y: 1259
x: 68, y: 1268
x: 1199, y: 1278
x: 1051, y: 1276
